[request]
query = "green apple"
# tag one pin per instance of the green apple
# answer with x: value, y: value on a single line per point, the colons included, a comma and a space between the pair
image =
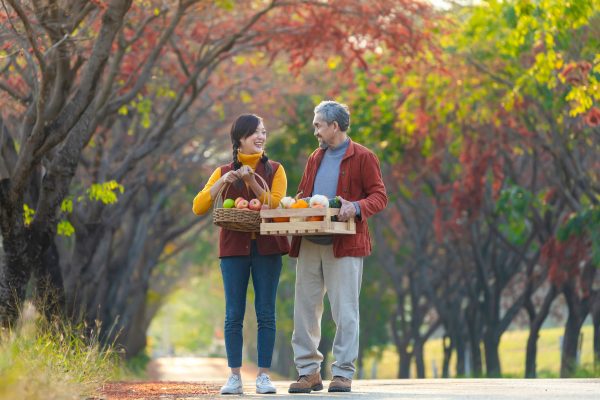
x: 228, y: 203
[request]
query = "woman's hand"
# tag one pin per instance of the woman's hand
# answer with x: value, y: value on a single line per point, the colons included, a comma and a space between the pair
x: 246, y: 173
x: 231, y: 177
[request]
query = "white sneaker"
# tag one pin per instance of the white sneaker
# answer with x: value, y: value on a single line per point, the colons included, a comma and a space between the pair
x: 264, y: 384
x: 233, y: 385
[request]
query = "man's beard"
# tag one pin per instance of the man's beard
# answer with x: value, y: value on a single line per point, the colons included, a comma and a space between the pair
x: 323, y: 145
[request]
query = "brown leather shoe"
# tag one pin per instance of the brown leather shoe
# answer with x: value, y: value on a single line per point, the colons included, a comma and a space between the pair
x: 307, y: 383
x: 340, y: 384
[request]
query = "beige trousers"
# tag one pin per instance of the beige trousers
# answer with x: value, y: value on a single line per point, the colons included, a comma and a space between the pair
x: 318, y: 272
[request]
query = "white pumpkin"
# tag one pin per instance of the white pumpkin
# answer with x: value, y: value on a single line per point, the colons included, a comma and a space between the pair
x: 287, y: 202
x: 318, y: 199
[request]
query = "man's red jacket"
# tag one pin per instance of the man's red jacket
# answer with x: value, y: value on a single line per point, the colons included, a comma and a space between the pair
x: 359, y: 180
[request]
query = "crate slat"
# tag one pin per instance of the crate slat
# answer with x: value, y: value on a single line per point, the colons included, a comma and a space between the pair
x: 299, y: 227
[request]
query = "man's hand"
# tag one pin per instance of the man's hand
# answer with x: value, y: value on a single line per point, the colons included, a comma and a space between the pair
x: 347, y: 211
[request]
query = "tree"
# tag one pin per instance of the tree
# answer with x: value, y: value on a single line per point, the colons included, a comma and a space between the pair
x: 128, y: 72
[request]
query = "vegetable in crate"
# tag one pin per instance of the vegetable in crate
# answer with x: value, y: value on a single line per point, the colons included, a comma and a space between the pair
x: 318, y: 199
x: 336, y: 202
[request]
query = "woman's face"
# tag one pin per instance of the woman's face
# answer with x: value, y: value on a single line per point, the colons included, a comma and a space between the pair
x: 254, y: 143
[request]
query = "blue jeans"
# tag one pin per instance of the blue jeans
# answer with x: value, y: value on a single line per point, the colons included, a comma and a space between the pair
x: 236, y: 272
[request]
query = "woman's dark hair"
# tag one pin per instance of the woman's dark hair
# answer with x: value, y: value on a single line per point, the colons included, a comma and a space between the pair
x: 244, y: 126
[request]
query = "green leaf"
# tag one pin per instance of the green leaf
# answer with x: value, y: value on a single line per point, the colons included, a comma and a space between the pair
x: 28, y: 214
x: 67, y: 205
x: 105, y: 192
x: 65, y: 228
x: 225, y: 4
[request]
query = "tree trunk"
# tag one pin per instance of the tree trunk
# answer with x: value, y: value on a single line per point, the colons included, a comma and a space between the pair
x: 474, y: 329
x: 596, y: 323
x: 283, y: 356
x: 535, y: 324
x: 448, y: 346
x: 419, y: 360
x: 15, y: 274
x: 134, y: 338
x: 460, y: 355
x: 492, y: 358
x: 404, y: 364
x: 360, y: 372
x: 577, y: 312
x: 49, y: 295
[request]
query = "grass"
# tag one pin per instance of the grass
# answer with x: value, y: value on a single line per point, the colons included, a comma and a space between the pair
x: 512, y: 356
x: 43, y: 361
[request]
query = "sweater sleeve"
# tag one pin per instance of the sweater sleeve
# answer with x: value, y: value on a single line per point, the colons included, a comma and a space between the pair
x: 203, y: 201
x: 278, y: 188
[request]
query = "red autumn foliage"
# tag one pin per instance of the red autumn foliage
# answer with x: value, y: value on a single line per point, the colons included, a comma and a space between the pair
x: 576, y: 73
x: 563, y: 259
x: 592, y: 118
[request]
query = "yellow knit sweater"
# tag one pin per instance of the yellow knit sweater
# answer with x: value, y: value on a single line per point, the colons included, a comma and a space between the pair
x: 203, y: 202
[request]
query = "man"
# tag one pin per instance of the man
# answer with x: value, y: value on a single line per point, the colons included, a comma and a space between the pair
x: 333, y: 264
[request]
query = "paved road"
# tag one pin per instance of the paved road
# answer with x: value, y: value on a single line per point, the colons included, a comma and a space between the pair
x: 214, y: 371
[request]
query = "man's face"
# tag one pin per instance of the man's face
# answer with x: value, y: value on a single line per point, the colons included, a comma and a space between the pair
x: 324, y: 132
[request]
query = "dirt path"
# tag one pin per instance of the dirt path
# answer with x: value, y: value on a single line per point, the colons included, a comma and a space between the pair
x: 177, y: 378
x: 157, y: 390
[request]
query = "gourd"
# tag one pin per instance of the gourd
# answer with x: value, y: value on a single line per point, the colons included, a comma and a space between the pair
x: 287, y: 202
x: 320, y: 200
x: 300, y: 204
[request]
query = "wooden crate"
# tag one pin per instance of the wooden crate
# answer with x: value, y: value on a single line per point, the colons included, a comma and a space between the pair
x: 298, y: 226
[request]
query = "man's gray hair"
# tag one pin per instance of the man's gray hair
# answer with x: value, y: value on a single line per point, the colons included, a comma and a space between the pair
x: 331, y: 111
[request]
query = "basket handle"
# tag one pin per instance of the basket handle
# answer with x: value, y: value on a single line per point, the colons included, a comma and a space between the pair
x: 225, y: 186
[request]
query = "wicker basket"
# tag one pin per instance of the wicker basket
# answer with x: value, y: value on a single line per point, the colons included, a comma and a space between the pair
x: 236, y: 219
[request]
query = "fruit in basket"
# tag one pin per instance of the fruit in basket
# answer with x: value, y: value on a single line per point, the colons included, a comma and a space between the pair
x: 318, y: 199
x: 243, y: 203
x: 254, y: 204
x: 228, y: 203
x: 238, y: 200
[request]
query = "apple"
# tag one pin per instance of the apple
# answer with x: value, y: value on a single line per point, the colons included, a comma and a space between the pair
x: 243, y: 203
x: 238, y: 200
x: 254, y: 204
x: 228, y: 203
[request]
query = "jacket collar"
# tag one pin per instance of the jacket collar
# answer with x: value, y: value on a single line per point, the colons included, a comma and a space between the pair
x: 349, y: 152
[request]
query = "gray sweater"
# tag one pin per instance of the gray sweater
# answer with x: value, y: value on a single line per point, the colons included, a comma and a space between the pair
x: 326, y: 180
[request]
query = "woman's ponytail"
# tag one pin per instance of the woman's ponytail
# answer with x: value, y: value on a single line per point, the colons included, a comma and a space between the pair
x: 236, y: 162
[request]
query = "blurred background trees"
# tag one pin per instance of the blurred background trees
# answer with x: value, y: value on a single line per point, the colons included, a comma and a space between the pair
x: 485, y: 116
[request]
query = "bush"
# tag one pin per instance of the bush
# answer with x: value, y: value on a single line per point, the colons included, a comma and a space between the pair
x: 39, y: 360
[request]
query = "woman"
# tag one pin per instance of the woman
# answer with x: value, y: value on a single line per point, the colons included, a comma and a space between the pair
x: 243, y: 254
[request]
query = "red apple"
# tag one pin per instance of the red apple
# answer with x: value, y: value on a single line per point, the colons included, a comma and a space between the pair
x: 237, y: 201
x: 243, y: 203
x: 254, y: 204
